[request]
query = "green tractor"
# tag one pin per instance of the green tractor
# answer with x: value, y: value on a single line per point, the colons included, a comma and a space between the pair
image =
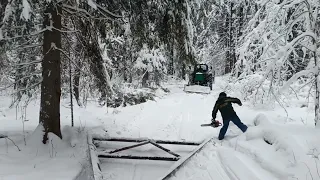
x: 200, y: 80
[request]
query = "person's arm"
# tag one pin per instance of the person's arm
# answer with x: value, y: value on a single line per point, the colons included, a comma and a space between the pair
x: 233, y: 100
x: 214, y: 111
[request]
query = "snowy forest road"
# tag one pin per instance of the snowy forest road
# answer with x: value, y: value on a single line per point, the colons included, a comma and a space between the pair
x: 178, y: 116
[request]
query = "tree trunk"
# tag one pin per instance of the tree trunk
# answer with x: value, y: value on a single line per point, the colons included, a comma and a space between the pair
x: 183, y: 72
x: 50, y: 86
x: 145, y: 79
x: 317, y: 100
x: 315, y: 29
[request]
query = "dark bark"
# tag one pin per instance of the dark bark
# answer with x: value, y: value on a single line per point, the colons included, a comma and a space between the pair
x: 50, y: 86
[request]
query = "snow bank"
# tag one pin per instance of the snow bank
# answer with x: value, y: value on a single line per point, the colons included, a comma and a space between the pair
x: 278, y: 149
x: 55, y: 160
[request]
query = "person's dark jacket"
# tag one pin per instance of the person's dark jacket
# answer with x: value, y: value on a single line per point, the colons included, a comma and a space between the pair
x: 223, y: 104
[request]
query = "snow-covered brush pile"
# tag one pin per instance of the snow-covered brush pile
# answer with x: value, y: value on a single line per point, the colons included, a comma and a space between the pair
x: 129, y: 94
x: 149, y: 75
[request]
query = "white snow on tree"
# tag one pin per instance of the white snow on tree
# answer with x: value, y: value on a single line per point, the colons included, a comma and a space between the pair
x: 280, y: 43
x: 26, y: 10
x: 151, y: 62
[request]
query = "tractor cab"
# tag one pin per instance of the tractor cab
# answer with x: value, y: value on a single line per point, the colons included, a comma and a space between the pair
x: 200, y: 76
x: 199, y: 73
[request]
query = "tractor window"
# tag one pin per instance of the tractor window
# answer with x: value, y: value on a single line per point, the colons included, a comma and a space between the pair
x: 204, y: 67
x: 201, y: 68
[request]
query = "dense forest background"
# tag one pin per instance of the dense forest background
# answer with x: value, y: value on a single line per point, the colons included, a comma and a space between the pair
x: 98, y: 49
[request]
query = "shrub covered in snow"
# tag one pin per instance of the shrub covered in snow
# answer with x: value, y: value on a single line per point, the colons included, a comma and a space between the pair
x: 261, y: 92
x: 251, y: 89
x: 150, y: 66
x: 129, y: 93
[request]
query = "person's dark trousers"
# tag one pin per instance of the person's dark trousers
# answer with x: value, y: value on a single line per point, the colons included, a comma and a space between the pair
x: 225, y: 126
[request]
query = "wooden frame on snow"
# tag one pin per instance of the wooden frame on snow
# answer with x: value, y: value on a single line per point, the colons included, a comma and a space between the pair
x: 142, y: 142
x: 144, y: 139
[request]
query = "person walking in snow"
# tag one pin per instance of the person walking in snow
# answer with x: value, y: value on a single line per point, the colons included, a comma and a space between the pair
x: 223, y: 104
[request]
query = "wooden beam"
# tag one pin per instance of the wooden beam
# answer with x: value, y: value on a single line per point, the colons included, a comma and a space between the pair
x: 129, y: 147
x: 164, y: 149
x: 144, y: 139
x: 94, y: 163
x: 139, y: 157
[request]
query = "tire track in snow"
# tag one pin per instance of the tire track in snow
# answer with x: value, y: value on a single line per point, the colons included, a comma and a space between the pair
x: 234, y: 167
x: 241, y: 167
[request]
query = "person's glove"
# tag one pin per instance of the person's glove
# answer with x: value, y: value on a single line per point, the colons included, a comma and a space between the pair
x: 240, y: 103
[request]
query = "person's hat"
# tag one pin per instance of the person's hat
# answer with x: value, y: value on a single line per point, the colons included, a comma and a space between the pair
x: 222, y: 94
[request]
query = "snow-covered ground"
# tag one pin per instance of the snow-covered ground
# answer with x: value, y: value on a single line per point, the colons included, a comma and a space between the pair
x: 292, y: 152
